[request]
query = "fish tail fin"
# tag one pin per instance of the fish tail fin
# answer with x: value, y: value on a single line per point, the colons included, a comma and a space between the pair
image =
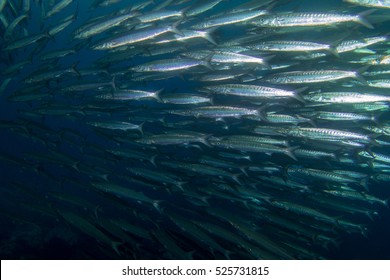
x: 386, y: 202
x: 180, y: 185
x: 48, y: 35
x: 364, y: 183
x: 375, y: 117
x: 157, y: 205
x: 112, y: 83
x: 297, y: 94
x: 115, y: 245
x: 140, y: 128
x: 298, y: 97
x: 157, y: 95
x: 75, y: 165
x: 207, y: 62
x: 163, y: 121
x: 363, y: 21
x: 242, y: 168
x: 312, y: 122
x: 300, y: 90
x: 173, y: 28
x: 289, y: 151
x: 260, y: 112
x: 373, y: 142
x: 205, y: 140
x: 332, y: 50
x: 370, y: 214
x: 359, y: 73
x: 374, y: 177
x: 262, y: 115
x: 153, y: 160
x: 285, y: 172
x: 363, y: 231
x: 236, y: 179
x: 336, y: 156
x: 74, y: 68
x: 333, y: 45
x: 208, y: 36
x: 104, y: 177
x: 96, y: 211
x: 76, y: 13
x: 184, y: 12
x: 265, y: 61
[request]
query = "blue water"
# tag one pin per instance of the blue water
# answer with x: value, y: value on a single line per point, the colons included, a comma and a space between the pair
x: 30, y: 222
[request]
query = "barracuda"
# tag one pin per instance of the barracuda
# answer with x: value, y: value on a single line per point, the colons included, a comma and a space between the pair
x: 217, y: 77
x: 343, y: 116
x: 377, y: 72
x: 258, y: 139
x: 135, y: 37
x: 302, y: 210
x: 166, y: 65
x: 350, y: 45
x: 202, y: 169
x: 315, y: 154
x: 57, y: 54
x: 26, y: 41
x: 324, y: 134
x: 156, y: 176
x: 381, y: 130
x: 291, y: 46
x: 375, y: 156
x: 346, y: 97
x: 8, y: 32
x: 370, y: 107
x: 357, y: 196
x: 124, y: 192
x: 254, y: 146
x: 254, y: 91
x: 130, y: 154
x: 217, y: 112
x: 182, y: 138
x: 61, y: 26
x: 229, y: 19
x: 98, y: 27
x: 317, y: 174
x: 315, y: 76
x: 231, y: 57
x: 117, y: 125
x: 90, y: 229
x: 51, y: 75
x: 58, y: 7
x: 282, y: 118
x: 379, y: 83
x: 190, y: 34
x: 130, y: 94
x: 371, y: 3
x: 308, y: 19
x: 158, y: 15
x: 186, y: 99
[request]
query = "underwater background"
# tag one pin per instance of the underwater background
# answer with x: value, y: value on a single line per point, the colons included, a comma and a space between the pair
x: 100, y: 159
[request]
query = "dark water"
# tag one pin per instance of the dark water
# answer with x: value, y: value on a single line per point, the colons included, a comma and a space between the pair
x: 49, y: 160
